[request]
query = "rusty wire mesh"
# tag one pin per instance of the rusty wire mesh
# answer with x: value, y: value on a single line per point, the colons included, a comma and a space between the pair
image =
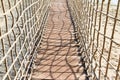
x: 97, y: 26
x: 21, y: 27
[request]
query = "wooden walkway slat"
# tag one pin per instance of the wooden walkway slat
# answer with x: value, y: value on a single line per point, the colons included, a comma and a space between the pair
x: 57, y: 58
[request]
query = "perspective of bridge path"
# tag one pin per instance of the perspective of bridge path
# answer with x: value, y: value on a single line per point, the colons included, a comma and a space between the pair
x: 57, y: 58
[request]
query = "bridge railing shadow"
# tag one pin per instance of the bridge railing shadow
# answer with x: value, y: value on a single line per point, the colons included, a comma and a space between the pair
x: 58, y: 51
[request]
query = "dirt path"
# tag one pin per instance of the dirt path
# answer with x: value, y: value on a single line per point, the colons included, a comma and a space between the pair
x: 57, y: 58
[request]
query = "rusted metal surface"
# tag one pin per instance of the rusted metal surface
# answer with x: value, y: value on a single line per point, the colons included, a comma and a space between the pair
x: 57, y: 57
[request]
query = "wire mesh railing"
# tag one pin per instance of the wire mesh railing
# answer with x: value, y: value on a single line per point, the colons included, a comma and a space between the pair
x: 97, y: 28
x: 21, y: 27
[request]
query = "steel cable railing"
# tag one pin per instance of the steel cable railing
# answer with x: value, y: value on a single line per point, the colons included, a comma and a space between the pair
x: 97, y: 27
x: 21, y: 27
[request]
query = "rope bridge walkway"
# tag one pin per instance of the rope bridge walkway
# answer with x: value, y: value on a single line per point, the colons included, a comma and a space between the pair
x: 59, y: 40
x: 57, y: 58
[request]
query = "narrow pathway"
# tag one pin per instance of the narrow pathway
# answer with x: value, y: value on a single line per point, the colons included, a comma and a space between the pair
x: 57, y: 58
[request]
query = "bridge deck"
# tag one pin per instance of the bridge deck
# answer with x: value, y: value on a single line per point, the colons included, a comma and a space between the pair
x: 57, y: 58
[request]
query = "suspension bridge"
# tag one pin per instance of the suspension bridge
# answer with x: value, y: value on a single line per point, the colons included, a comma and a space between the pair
x: 59, y: 40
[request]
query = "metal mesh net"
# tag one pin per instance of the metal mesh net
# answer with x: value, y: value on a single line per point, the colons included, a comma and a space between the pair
x: 21, y: 27
x: 97, y: 26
